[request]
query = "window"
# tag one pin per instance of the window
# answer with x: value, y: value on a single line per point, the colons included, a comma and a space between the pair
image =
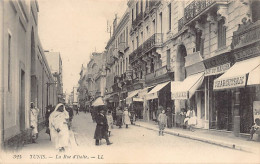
x: 168, y: 58
x: 152, y: 66
x: 137, y: 42
x: 137, y: 9
x: 9, y: 62
x: 170, y: 16
x: 126, y: 63
x: 142, y: 37
x: 133, y: 45
x: 198, y: 40
x: 147, y: 31
x: 154, y: 26
x: 255, y: 10
x: 161, y: 23
x: 221, y: 33
x: 141, y: 6
x: 146, y: 3
x: 132, y: 15
x: 126, y: 40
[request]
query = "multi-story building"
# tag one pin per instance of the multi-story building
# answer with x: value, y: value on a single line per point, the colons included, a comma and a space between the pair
x: 185, y: 53
x: 55, y: 63
x: 25, y: 74
x: 95, y: 77
x: 82, y: 88
x: 118, y: 74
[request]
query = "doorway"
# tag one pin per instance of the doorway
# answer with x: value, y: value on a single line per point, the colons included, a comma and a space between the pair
x: 22, y: 101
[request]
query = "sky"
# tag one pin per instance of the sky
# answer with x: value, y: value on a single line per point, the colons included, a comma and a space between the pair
x: 76, y: 28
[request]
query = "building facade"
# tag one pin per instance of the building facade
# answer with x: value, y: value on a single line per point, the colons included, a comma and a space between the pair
x: 55, y: 63
x: 181, y: 53
x: 118, y: 73
x: 24, y: 71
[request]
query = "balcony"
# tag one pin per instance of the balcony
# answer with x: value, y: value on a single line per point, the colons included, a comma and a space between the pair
x: 133, y: 56
x: 155, y: 40
x: 180, y: 23
x: 115, y: 53
x: 138, y: 20
x: 121, y: 47
x: 149, y: 76
x: 161, y: 71
x: 152, y: 4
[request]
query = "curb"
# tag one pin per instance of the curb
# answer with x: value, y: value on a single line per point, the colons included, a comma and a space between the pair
x: 209, y: 141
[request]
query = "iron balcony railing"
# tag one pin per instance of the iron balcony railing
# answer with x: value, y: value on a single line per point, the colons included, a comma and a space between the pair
x: 180, y: 23
x: 195, y: 7
x: 138, y: 20
x: 155, y: 40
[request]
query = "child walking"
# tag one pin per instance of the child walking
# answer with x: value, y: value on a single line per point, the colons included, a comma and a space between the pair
x: 162, y: 120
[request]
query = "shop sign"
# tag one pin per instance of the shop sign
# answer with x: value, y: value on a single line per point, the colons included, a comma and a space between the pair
x: 248, y: 52
x: 238, y: 81
x: 217, y: 70
x: 180, y: 95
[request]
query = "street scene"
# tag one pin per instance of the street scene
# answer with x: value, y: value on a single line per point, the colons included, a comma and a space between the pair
x: 130, y: 81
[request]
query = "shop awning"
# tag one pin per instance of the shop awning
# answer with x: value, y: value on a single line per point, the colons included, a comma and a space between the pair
x: 153, y: 94
x: 185, y: 89
x: 98, y: 102
x: 138, y: 99
x: 237, y: 74
x: 131, y: 95
x: 254, y: 77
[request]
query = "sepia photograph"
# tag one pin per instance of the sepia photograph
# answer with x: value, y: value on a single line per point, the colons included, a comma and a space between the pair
x: 130, y: 81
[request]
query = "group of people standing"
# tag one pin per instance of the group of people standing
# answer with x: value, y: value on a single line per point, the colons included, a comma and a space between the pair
x: 105, y: 122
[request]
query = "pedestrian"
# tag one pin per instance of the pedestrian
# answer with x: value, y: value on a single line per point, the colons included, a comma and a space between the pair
x: 109, y: 122
x: 255, y: 129
x: 162, y: 121
x: 159, y: 111
x: 34, y: 122
x: 77, y: 110
x: 59, y: 127
x: 119, y: 114
x: 126, y: 117
x: 47, y: 115
x: 169, y: 117
x: 182, y: 118
x: 132, y: 116
x: 191, y: 119
x: 71, y: 114
x: 101, y: 131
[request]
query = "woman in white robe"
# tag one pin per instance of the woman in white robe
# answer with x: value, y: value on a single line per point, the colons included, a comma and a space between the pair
x: 126, y: 117
x: 58, y: 124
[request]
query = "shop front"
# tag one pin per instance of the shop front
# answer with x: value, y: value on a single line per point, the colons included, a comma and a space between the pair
x: 218, y: 105
x: 135, y: 103
x: 241, y: 81
x: 160, y: 95
x: 189, y: 93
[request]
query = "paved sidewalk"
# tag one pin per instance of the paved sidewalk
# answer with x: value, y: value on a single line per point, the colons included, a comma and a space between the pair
x: 224, y: 139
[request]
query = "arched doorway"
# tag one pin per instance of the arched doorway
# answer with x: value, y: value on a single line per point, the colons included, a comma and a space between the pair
x: 180, y: 75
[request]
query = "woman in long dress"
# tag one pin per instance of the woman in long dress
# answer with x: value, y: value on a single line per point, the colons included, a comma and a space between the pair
x: 58, y: 124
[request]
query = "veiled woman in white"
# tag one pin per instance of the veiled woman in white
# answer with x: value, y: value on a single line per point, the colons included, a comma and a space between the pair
x: 58, y: 124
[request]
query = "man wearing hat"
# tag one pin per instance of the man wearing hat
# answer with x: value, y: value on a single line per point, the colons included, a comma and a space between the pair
x: 101, y: 131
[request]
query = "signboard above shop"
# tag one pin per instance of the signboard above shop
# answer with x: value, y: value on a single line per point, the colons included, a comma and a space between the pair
x: 217, y: 70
